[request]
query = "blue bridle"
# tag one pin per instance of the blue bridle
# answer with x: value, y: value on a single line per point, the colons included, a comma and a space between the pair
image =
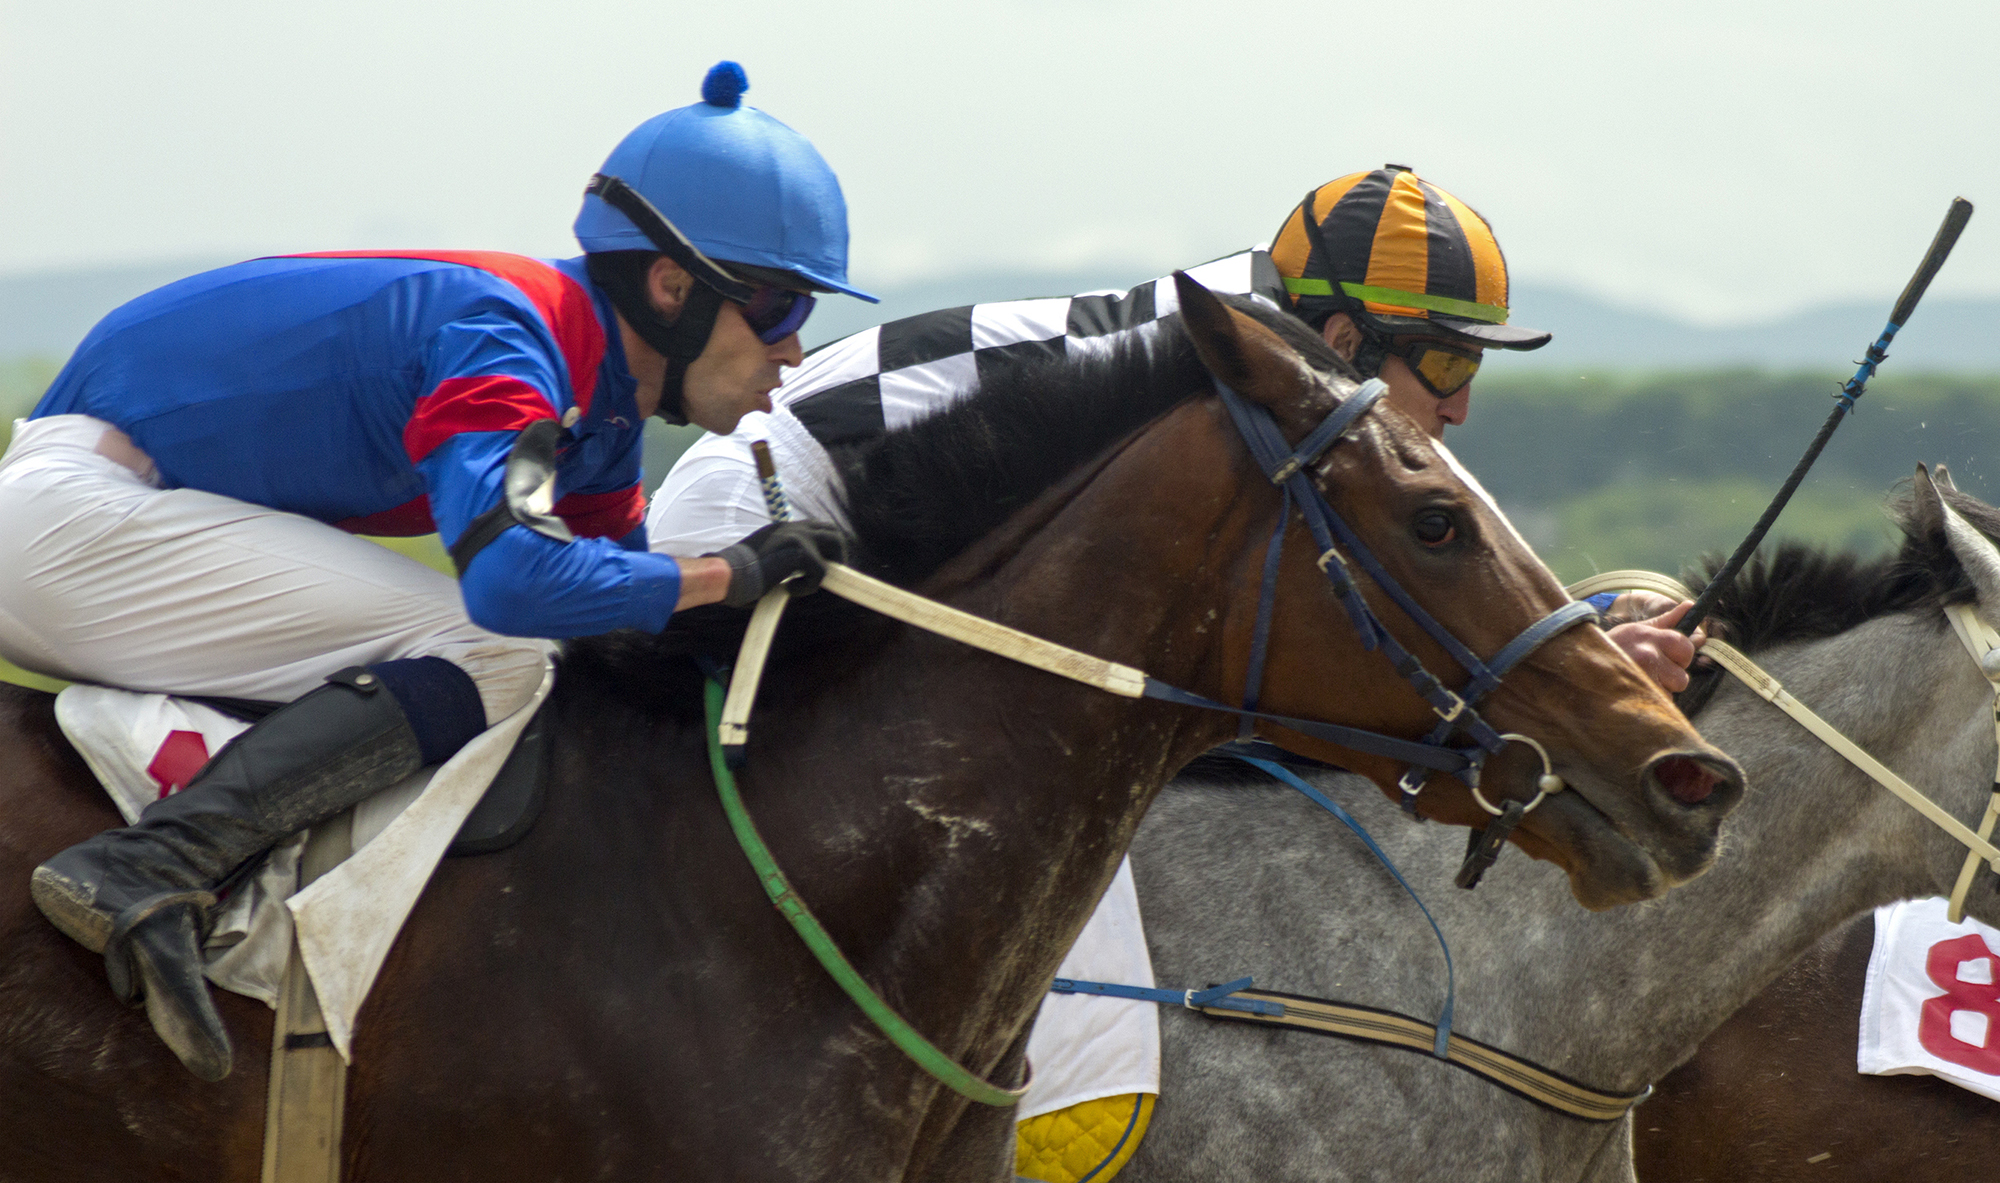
x: 1289, y: 468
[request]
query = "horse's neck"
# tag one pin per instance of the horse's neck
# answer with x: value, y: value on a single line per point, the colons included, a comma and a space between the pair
x: 997, y: 798
x: 1815, y: 843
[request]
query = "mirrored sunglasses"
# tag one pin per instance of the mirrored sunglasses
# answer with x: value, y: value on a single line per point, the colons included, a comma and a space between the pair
x: 1443, y: 369
x: 774, y: 313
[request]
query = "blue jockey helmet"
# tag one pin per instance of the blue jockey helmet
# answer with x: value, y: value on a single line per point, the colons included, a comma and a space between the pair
x: 741, y: 186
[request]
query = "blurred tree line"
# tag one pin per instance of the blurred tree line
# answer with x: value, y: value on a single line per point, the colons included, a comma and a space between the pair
x: 1606, y: 470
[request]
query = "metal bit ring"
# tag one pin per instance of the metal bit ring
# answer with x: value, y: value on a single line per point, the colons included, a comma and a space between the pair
x: 1548, y: 783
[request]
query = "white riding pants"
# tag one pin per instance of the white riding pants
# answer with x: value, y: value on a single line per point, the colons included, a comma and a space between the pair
x: 106, y: 577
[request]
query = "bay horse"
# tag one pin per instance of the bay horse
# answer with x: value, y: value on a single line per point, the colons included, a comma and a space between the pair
x: 613, y: 998
x: 1772, y: 1096
x: 1240, y: 880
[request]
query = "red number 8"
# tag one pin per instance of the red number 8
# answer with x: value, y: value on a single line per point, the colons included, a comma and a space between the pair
x: 1934, y: 1029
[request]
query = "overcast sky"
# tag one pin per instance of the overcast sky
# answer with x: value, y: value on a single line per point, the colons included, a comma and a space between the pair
x: 1717, y: 160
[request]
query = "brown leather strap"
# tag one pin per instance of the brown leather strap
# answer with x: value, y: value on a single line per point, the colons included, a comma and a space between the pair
x: 1367, y: 1024
x: 306, y: 1106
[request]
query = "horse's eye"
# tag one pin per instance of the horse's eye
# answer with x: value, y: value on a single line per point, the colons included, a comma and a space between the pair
x: 1433, y: 527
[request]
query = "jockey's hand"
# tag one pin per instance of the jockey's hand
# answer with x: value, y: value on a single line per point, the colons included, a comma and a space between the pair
x: 792, y: 553
x: 1653, y: 642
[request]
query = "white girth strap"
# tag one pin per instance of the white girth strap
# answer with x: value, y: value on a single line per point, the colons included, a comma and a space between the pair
x: 1979, y: 641
x: 1984, y: 644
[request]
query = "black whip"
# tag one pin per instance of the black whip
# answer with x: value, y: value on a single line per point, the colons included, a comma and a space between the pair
x: 1947, y: 237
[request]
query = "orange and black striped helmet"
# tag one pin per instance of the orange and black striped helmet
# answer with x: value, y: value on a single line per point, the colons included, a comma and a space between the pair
x: 1400, y: 255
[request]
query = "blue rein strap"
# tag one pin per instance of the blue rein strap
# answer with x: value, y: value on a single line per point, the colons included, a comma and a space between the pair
x: 1219, y: 996
x: 1434, y: 756
x: 1216, y: 996
x: 1286, y: 776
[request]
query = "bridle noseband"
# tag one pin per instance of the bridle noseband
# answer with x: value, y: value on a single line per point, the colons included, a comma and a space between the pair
x: 1291, y: 469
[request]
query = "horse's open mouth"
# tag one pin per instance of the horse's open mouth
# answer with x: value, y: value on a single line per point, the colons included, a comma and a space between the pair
x: 1618, y: 848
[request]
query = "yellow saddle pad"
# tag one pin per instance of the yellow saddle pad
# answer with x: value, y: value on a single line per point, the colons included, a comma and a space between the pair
x: 1085, y: 1143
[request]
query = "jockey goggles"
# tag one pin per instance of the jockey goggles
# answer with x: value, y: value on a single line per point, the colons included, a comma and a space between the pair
x: 773, y: 313
x: 1443, y: 369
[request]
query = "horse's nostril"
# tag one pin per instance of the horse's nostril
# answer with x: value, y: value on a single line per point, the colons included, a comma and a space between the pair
x: 1686, y: 781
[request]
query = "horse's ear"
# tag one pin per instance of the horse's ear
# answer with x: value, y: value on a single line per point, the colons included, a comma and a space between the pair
x: 1941, y: 477
x: 1975, y: 552
x: 1928, y: 504
x: 1246, y: 356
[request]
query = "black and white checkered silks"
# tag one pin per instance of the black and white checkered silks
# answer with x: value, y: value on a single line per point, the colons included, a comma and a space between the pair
x: 891, y: 376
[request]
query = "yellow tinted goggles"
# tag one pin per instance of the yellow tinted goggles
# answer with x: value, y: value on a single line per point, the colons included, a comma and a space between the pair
x: 1443, y: 369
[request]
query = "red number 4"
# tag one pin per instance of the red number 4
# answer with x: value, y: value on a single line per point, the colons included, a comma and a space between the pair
x: 1934, y: 1029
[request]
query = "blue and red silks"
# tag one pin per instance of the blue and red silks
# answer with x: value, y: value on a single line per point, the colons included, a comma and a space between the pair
x: 381, y: 392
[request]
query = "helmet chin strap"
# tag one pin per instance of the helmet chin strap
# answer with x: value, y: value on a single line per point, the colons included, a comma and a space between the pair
x: 679, y: 340
x: 1370, y: 353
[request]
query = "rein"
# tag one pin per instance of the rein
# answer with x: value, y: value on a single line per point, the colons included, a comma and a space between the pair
x: 1367, y: 1024
x: 787, y: 901
x: 1524, y: 1077
x: 1289, y: 469
x: 1981, y: 641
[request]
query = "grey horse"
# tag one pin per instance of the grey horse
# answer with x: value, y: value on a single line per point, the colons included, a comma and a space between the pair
x: 1238, y: 880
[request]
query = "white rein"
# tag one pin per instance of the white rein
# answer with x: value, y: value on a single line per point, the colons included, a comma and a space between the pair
x: 1980, y: 640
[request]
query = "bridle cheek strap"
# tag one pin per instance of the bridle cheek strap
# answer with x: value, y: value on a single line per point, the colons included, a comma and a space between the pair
x: 1290, y: 469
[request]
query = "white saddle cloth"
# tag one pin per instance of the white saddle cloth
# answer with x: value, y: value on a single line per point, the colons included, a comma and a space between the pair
x: 143, y: 746
x: 1932, y: 1000
x: 1087, y: 1046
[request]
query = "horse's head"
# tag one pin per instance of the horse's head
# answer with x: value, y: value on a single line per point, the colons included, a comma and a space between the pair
x: 1646, y: 793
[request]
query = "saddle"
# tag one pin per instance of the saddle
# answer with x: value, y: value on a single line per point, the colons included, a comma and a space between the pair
x: 510, y: 805
x: 144, y: 746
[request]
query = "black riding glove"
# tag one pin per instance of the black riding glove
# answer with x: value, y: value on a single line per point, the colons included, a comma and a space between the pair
x: 798, y: 551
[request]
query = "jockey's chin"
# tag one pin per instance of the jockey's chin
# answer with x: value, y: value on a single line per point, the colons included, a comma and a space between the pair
x: 735, y: 373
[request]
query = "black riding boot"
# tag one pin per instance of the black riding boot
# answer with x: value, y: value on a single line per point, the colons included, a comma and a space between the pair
x: 142, y: 895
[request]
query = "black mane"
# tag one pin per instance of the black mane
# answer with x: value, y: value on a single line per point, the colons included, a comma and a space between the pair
x: 920, y: 495
x: 1801, y: 592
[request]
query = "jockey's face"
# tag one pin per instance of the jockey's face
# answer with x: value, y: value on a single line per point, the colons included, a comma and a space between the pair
x: 735, y: 374
x: 1407, y: 392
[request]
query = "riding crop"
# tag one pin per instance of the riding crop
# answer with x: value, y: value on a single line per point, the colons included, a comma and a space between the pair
x: 1947, y: 237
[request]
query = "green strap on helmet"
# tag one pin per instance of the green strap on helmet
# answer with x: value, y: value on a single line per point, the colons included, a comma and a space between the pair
x: 794, y: 909
x: 1489, y: 313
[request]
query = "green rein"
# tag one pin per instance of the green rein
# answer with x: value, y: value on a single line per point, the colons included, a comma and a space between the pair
x: 794, y: 909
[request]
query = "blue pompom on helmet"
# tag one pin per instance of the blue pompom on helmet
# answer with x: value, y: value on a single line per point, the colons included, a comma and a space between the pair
x: 740, y: 185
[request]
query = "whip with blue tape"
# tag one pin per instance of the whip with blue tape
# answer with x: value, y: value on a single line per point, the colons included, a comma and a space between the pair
x: 1947, y: 237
